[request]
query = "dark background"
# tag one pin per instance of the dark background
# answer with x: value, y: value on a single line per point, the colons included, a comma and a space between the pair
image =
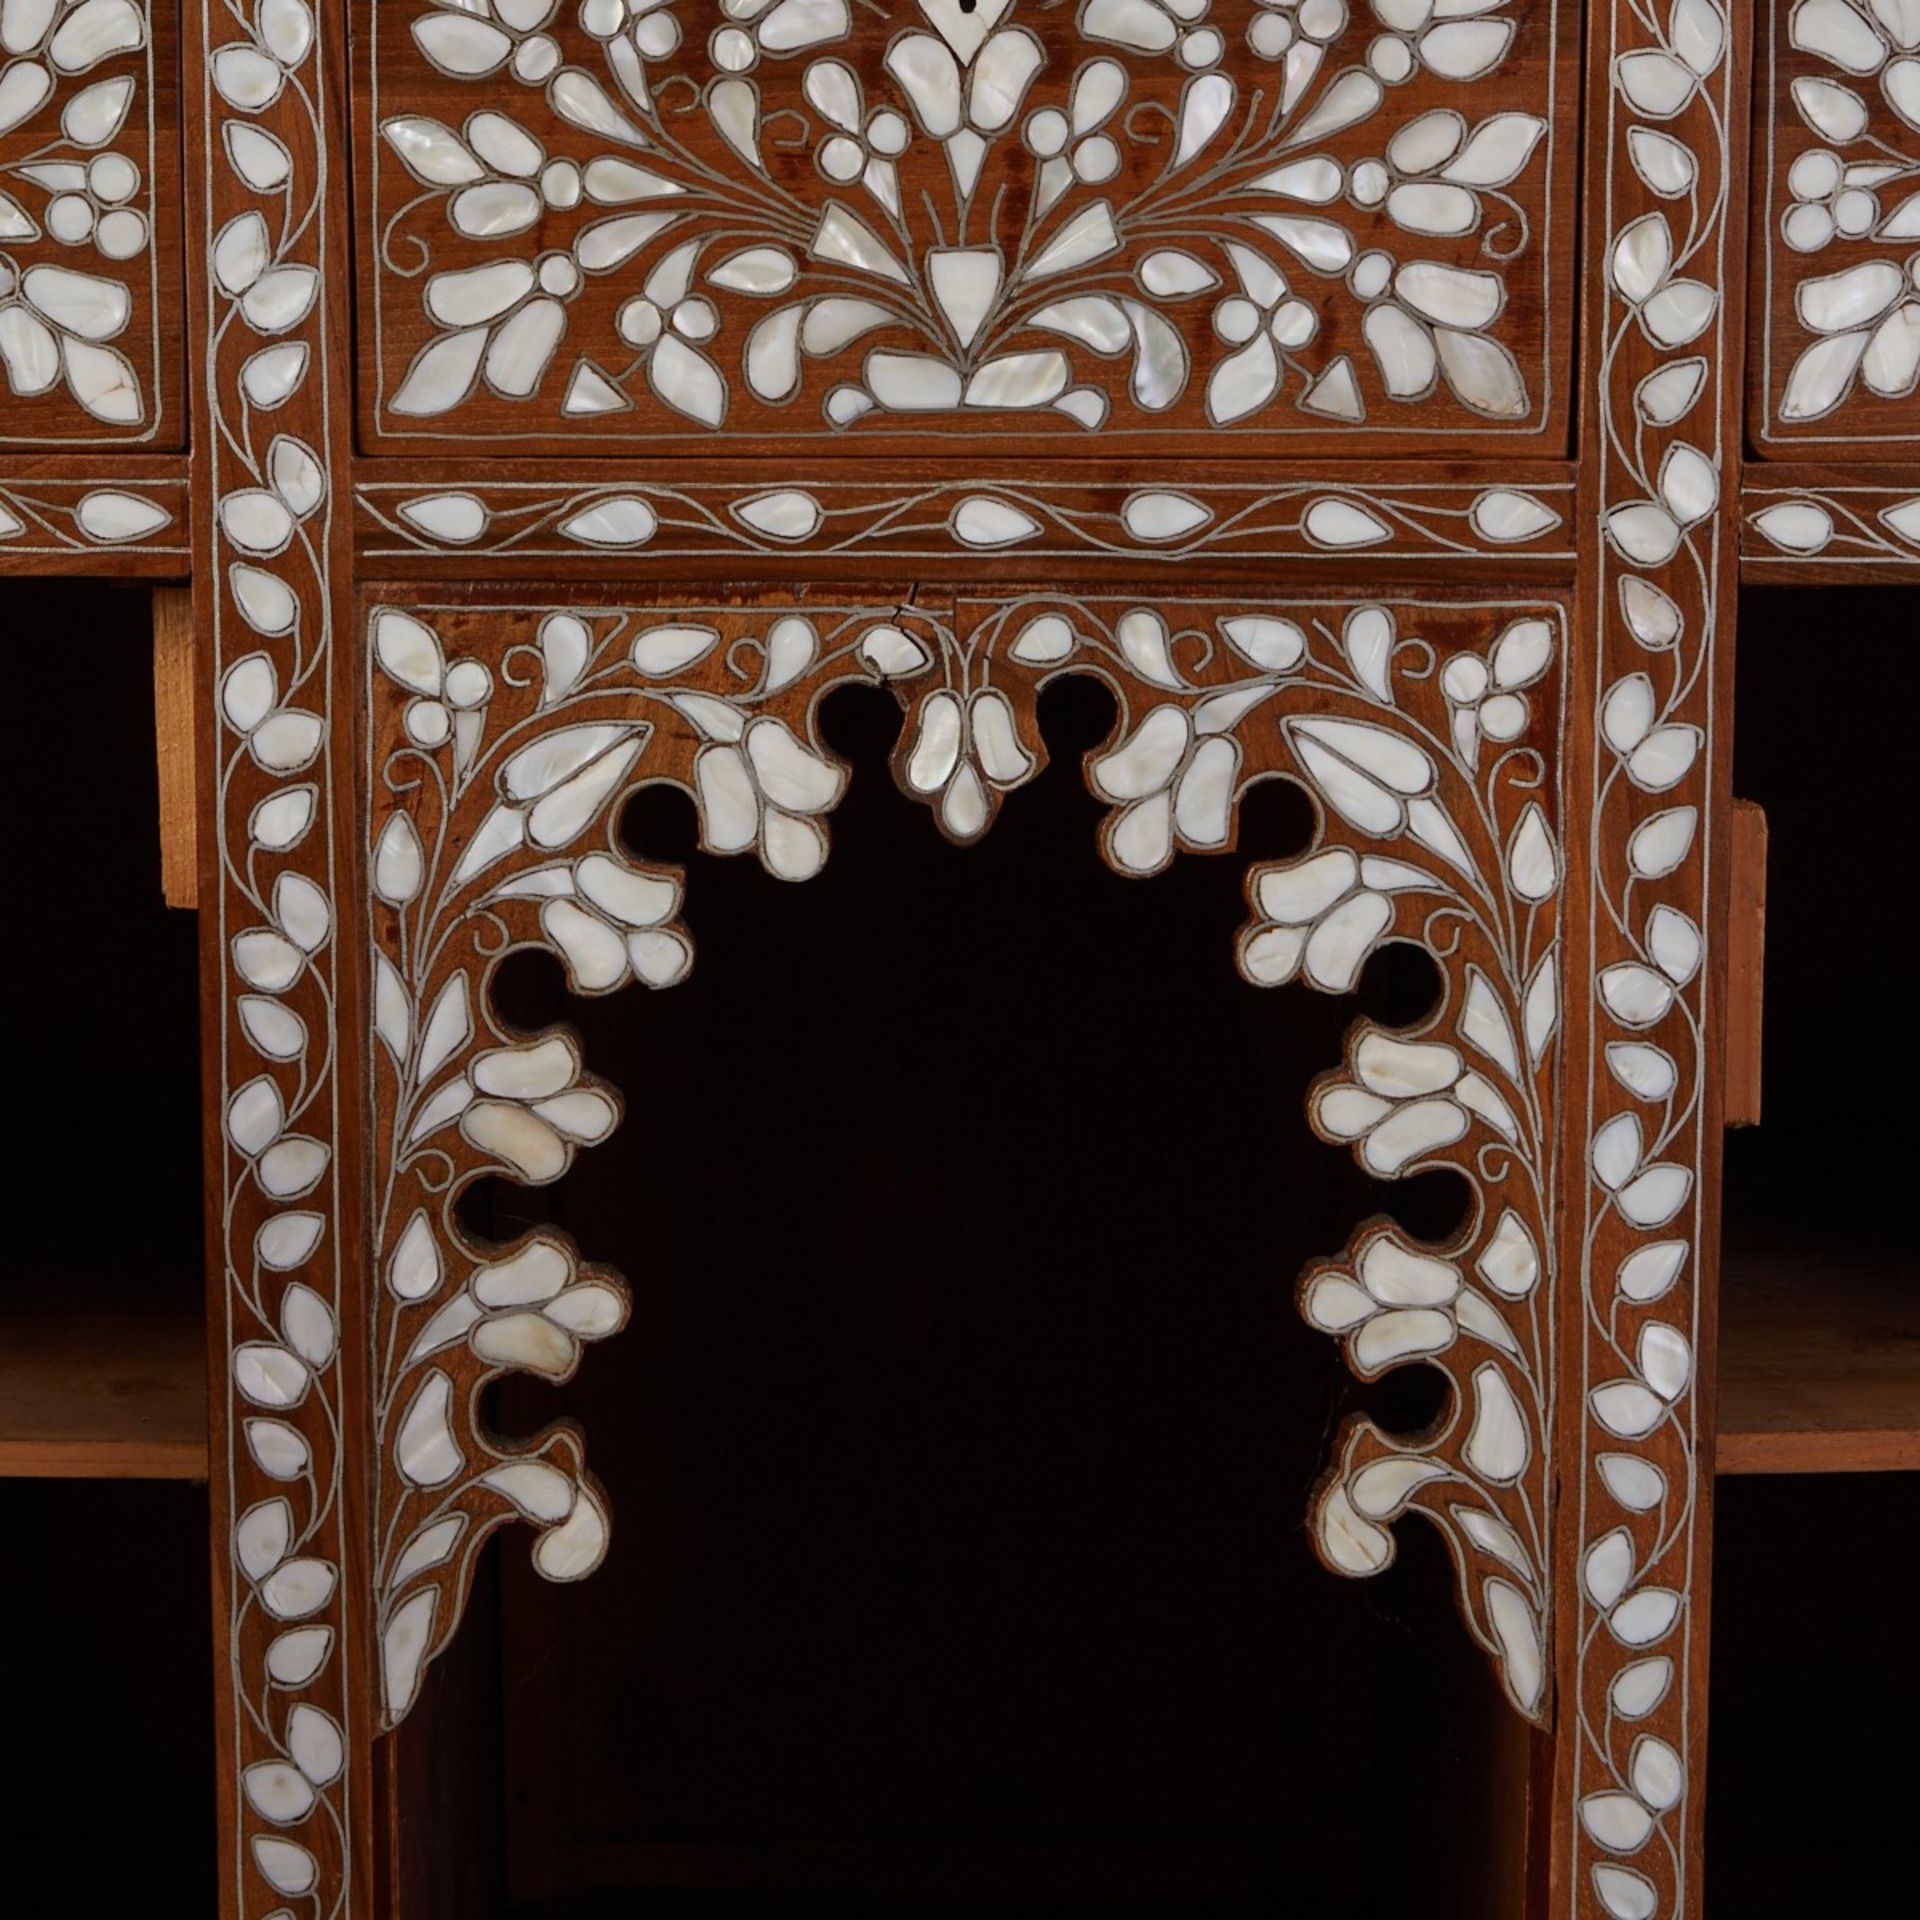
x: 961, y: 1439
x: 106, y: 1725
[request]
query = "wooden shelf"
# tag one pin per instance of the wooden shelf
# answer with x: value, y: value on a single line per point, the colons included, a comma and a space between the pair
x: 1819, y: 1373
x: 103, y: 1395
x: 1819, y: 1367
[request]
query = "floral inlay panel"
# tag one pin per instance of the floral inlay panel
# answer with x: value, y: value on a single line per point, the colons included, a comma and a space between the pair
x: 89, y: 290
x: 503, y: 740
x: 821, y: 220
x: 1839, y: 229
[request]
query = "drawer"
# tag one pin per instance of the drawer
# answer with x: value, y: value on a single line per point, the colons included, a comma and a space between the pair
x: 91, y: 321
x: 810, y: 229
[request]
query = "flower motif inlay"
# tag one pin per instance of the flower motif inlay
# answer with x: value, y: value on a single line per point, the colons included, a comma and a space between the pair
x: 1839, y: 331
x: 84, y: 288
x: 818, y: 220
x: 506, y: 739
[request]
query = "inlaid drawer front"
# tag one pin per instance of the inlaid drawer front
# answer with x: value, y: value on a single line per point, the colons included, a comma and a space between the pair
x: 89, y: 244
x: 1126, y: 223
x: 1837, y: 315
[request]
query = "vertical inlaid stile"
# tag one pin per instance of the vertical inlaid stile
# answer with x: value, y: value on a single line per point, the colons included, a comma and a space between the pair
x: 1660, y: 444
x: 268, y: 275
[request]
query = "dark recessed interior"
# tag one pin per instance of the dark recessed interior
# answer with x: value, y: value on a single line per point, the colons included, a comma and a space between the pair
x: 1813, y: 1679
x: 1814, y: 1689
x: 102, y: 1096
x: 1841, y: 1053
x: 107, y: 1773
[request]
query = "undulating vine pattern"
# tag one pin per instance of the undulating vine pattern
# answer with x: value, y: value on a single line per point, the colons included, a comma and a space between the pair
x: 83, y: 285
x: 502, y: 742
x: 1836, y: 525
x: 93, y: 517
x: 1037, y: 518
x: 1663, y: 495
x: 1839, y: 329
x: 816, y: 217
x: 272, y: 385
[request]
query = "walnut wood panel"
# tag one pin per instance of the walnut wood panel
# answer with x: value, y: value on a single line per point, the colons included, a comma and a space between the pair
x: 811, y: 225
x: 90, y: 260
x: 103, y: 1395
x: 174, y: 717
x: 400, y: 787
x: 1820, y: 1368
x: 1835, y: 306
x: 1746, y: 963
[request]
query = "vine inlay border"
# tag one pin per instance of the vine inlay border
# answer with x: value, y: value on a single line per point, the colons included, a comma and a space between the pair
x: 1666, y: 362
x: 1325, y: 520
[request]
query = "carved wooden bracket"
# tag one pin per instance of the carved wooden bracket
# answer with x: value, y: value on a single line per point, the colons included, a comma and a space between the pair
x: 503, y: 741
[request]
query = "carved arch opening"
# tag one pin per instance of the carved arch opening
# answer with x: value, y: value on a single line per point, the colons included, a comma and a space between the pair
x: 502, y: 741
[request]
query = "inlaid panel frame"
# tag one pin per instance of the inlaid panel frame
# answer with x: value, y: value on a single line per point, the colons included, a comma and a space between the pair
x: 1621, y: 1829
x: 1801, y: 524
x: 123, y: 515
x: 1426, y: 519
x: 281, y: 988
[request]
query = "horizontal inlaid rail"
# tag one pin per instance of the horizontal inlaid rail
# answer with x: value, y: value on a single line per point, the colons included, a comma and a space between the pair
x: 1804, y: 524
x: 81, y: 513
x: 415, y: 517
